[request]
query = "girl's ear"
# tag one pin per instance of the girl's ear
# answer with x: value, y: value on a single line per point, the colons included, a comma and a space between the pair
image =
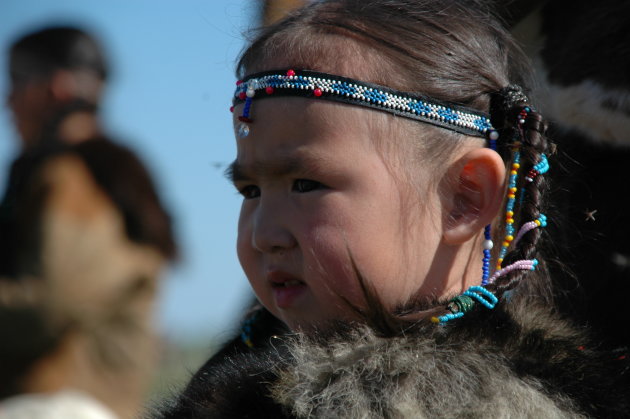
x: 475, y: 192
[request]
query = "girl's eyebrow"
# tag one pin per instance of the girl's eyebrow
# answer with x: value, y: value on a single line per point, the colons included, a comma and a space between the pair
x: 283, y: 166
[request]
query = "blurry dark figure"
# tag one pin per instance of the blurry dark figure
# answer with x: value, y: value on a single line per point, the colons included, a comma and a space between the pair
x: 83, y: 238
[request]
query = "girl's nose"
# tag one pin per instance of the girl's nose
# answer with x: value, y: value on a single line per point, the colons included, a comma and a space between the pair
x: 271, y: 232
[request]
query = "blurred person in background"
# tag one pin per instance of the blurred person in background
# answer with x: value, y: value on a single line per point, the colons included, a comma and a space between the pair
x: 83, y: 239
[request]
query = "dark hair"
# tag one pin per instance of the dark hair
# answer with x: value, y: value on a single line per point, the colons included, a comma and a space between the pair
x: 40, y: 53
x: 455, y: 51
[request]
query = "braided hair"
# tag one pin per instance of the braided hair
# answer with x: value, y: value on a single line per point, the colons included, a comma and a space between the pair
x: 526, y: 129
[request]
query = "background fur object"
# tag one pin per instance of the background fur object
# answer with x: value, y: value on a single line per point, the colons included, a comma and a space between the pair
x: 581, y: 53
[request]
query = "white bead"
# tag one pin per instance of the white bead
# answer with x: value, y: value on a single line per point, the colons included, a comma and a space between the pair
x: 487, y: 244
x: 494, y: 135
x: 250, y: 92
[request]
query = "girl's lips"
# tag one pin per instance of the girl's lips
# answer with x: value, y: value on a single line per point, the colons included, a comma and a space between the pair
x: 286, y: 296
x: 286, y: 288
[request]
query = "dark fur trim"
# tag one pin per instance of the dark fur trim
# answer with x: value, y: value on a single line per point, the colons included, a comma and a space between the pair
x: 234, y: 388
x: 515, y: 361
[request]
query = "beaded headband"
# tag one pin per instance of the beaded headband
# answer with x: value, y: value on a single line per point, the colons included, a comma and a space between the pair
x: 316, y: 85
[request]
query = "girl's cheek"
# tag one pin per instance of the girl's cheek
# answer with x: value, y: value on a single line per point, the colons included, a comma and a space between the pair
x: 330, y: 266
x: 244, y: 249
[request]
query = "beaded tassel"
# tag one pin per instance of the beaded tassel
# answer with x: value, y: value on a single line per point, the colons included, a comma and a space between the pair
x: 245, y: 117
x: 248, y: 95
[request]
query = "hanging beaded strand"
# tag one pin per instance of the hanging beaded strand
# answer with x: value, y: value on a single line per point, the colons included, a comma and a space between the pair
x: 248, y: 95
x: 509, y: 207
x: 493, y: 136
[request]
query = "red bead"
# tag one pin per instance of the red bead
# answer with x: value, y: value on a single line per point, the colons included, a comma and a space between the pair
x: 242, y: 95
x: 580, y: 348
x: 317, y: 92
x: 239, y: 82
x: 231, y: 108
x: 290, y: 73
x: 245, y: 119
x: 269, y: 90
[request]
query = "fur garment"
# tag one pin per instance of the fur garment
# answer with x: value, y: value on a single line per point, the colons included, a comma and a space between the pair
x: 514, y: 361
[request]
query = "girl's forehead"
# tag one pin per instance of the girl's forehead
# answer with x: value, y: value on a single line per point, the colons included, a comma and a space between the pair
x: 300, y: 118
x: 296, y: 128
x: 308, y: 110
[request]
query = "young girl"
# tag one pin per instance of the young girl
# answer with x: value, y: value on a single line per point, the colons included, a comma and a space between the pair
x: 393, y: 175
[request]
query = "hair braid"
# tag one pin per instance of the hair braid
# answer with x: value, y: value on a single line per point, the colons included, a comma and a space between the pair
x: 530, y: 133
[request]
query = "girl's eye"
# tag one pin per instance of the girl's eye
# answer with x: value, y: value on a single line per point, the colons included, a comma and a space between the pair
x: 306, y: 185
x: 250, y: 191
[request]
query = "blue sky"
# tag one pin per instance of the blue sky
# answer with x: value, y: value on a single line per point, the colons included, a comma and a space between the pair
x: 172, y: 77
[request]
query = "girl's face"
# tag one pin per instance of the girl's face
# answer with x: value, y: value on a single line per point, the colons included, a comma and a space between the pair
x: 318, y: 196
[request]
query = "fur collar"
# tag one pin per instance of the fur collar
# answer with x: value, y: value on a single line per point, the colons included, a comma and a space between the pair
x: 514, y: 361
